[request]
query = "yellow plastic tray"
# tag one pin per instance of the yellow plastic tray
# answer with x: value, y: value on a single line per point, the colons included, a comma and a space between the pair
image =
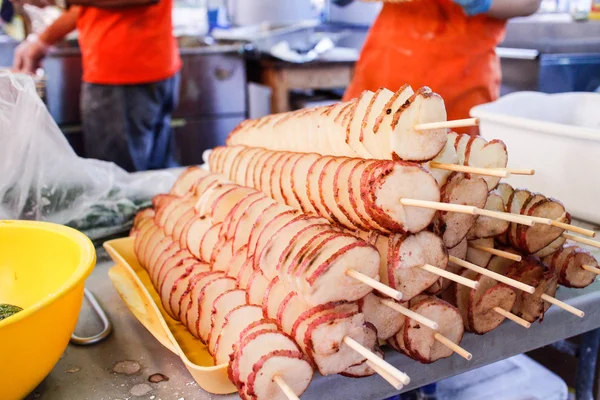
x: 133, y: 285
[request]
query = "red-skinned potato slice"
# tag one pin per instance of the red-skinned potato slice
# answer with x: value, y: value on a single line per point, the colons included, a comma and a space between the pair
x: 161, y: 200
x: 246, y: 177
x: 314, y: 188
x: 446, y: 156
x: 151, y: 240
x: 244, y: 274
x: 236, y: 213
x: 276, y: 176
x: 207, y: 182
x: 205, y: 203
x: 168, y: 205
x: 291, y: 366
x: 327, y: 197
x: 453, y: 227
x: 186, y: 180
x: 180, y: 286
x: 532, y: 272
x: 354, y: 127
x: 289, y: 311
x: 239, y: 164
x: 568, y: 261
x: 166, y: 286
x: 235, y: 322
x: 356, y: 200
x: 263, y: 324
x: 479, y: 257
x: 256, y: 288
x: 406, y: 254
x: 146, y: 229
x: 245, y: 224
x: 384, y: 183
x: 386, y: 320
x: 552, y: 248
x: 373, y: 145
x: 221, y: 259
x: 267, y: 172
x: 157, y: 251
x: 482, y: 154
x: 490, y: 294
x: 358, y: 256
x: 362, y: 370
x: 299, y: 183
x: 224, y: 303
x: 286, y: 182
x: 143, y: 215
x: 324, y: 341
x: 440, y: 286
x: 382, y: 130
x: 208, y: 242
x: 206, y: 298
x: 265, y: 217
x: 419, y: 340
x: 195, y: 233
x: 267, y: 236
x: 274, y: 294
x: 184, y: 300
x: 341, y: 189
x: 253, y: 347
x: 237, y: 261
x: 538, y: 236
x: 190, y: 306
x: 515, y: 205
x: 185, y: 207
x: 486, y: 227
x: 225, y: 203
x: 258, y: 169
x: 423, y: 106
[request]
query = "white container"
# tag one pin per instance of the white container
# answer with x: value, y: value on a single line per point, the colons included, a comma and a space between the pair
x: 559, y: 136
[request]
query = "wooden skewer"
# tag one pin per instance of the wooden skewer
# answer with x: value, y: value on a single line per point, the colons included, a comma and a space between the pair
x: 289, y: 393
x: 380, y: 287
x: 519, y: 171
x: 396, y: 384
x: 572, y: 228
x: 457, y: 123
x: 381, y: 363
x: 458, y: 208
x: 512, y: 317
x: 563, y: 305
x: 591, y: 269
x: 582, y: 240
x: 493, y: 275
x: 411, y: 314
x: 472, y: 170
x: 450, y: 276
x: 452, y: 346
x: 516, y: 218
x: 430, y: 324
x: 496, y: 252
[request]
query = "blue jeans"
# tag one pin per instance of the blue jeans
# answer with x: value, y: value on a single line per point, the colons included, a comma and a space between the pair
x: 130, y: 125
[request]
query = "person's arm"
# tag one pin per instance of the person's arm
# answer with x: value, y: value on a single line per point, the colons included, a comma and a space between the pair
x: 30, y: 53
x: 505, y: 9
x: 501, y: 9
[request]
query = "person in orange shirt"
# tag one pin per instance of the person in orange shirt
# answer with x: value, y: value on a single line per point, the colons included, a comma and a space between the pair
x: 130, y: 84
x: 448, y: 45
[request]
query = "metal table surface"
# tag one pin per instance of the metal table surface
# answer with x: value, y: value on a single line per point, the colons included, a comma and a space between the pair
x: 88, y: 373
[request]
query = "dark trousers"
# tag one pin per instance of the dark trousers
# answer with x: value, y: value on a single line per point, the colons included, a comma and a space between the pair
x: 130, y: 125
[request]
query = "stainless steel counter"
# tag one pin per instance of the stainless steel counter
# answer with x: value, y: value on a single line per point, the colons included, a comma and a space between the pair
x: 88, y: 373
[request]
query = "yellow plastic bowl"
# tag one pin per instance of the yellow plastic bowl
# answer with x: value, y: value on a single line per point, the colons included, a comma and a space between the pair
x: 43, y: 268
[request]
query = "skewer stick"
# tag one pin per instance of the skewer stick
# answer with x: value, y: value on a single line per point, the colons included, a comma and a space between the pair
x: 411, y: 314
x: 472, y: 170
x: 453, y: 346
x: 450, y: 276
x: 519, y: 171
x: 496, y: 252
x: 381, y: 363
x: 457, y: 123
x: 591, y: 269
x: 572, y: 228
x: 458, y: 208
x: 493, y: 275
x: 579, y: 239
x: 563, y: 305
x: 380, y: 287
x: 396, y: 384
x: 512, y: 317
x: 289, y: 393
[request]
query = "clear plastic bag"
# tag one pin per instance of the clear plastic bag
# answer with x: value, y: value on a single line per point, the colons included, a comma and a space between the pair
x: 41, y: 177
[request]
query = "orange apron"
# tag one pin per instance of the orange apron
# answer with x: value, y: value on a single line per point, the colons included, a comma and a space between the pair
x: 432, y: 43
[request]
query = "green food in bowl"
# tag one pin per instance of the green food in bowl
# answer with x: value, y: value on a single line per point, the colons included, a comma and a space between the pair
x: 6, y: 310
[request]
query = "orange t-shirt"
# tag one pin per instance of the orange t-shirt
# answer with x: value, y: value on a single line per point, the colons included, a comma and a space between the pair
x: 129, y: 45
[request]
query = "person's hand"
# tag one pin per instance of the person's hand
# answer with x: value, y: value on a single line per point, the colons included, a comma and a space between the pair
x: 473, y: 7
x: 341, y: 3
x: 37, y: 3
x: 29, y: 55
